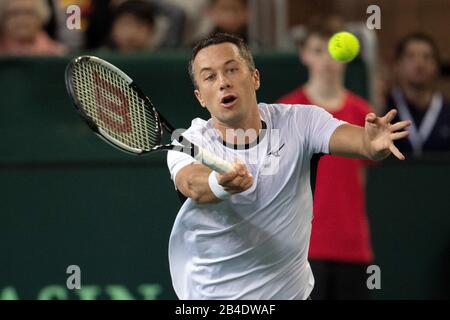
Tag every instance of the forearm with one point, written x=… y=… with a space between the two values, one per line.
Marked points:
x=349 y=141
x=192 y=181
x=352 y=142
x=374 y=141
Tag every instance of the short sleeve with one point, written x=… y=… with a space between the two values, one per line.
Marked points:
x=316 y=126
x=177 y=160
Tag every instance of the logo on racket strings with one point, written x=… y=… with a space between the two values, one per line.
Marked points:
x=115 y=116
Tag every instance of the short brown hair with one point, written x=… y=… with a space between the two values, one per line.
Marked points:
x=323 y=26
x=219 y=38
x=420 y=37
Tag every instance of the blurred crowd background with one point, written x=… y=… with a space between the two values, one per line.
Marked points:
x=40 y=27
x=408 y=64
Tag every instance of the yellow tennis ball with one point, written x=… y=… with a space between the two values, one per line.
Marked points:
x=343 y=46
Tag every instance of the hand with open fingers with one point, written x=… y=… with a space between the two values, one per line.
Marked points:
x=236 y=181
x=380 y=135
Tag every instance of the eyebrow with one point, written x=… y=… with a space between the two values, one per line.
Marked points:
x=209 y=69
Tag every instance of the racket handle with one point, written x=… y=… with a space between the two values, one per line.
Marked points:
x=214 y=162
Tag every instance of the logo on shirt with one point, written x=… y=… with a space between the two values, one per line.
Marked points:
x=276 y=153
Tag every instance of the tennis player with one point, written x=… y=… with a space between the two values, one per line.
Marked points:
x=245 y=234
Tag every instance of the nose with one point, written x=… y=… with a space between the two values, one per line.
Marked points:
x=224 y=82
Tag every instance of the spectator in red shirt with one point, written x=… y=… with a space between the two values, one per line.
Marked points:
x=340 y=248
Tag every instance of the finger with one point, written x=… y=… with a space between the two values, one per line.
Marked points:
x=396 y=152
x=400 y=125
x=243 y=170
x=226 y=177
x=234 y=189
x=237 y=165
x=235 y=183
x=239 y=162
x=248 y=185
x=240 y=167
x=244 y=186
x=371 y=117
x=239 y=182
x=390 y=115
x=399 y=135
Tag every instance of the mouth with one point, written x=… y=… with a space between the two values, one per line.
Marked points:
x=228 y=101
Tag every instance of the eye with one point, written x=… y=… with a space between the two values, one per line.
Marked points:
x=210 y=77
x=233 y=70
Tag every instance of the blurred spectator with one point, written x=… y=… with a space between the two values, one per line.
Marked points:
x=96 y=23
x=168 y=25
x=133 y=27
x=417 y=65
x=22 y=29
x=340 y=248
x=175 y=17
x=196 y=25
x=229 y=16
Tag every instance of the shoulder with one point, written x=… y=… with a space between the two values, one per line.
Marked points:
x=284 y=114
x=283 y=109
x=196 y=131
x=287 y=108
x=198 y=125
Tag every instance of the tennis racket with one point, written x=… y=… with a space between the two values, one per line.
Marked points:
x=118 y=112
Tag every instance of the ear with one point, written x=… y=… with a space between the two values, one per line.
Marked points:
x=256 y=79
x=199 y=98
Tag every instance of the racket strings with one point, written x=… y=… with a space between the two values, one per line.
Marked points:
x=115 y=107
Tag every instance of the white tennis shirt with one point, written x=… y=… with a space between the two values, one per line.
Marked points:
x=255 y=244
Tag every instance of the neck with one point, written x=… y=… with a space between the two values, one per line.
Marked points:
x=332 y=88
x=244 y=132
x=326 y=94
x=420 y=96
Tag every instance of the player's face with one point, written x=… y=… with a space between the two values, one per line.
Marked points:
x=225 y=84
x=315 y=56
x=417 y=66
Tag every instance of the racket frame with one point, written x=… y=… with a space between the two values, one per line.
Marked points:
x=160 y=120
x=186 y=146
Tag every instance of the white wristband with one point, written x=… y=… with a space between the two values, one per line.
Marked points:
x=216 y=188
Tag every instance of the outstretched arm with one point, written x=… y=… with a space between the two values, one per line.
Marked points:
x=375 y=141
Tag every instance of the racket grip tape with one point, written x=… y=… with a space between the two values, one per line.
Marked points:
x=214 y=162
